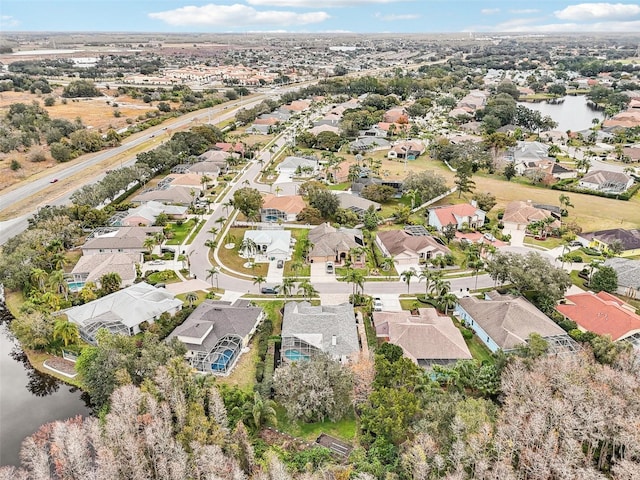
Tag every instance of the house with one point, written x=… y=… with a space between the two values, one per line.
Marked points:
x=518 y=215
x=374 y=131
x=216 y=155
x=395 y=115
x=209 y=168
x=504 y=322
x=628 y=272
x=526 y=151
x=177 y=195
x=227 y=147
x=121 y=240
x=549 y=168
x=91 y=267
x=601 y=313
x=123 y=311
x=409 y=249
x=406 y=150
x=369 y=143
x=627 y=240
x=146 y=214
x=308 y=330
x=339 y=173
x=463 y=215
x=324 y=128
x=296 y=165
x=332 y=244
x=284 y=208
x=216 y=333
x=356 y=203
x=359 y=183
x=426 y=339
x=606 y=181
x=269 y=245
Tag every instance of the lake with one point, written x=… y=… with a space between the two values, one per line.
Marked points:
x=29 y=399
x=573 y=114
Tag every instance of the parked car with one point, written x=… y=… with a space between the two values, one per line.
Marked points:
x=489 y=237
x=167 y=250
x=575 y=243
x=329 y=268
x=156 y=262
x=269 y=290
x=280 y=264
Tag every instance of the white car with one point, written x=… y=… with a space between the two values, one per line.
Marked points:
x=156 y=262
x=377 y=304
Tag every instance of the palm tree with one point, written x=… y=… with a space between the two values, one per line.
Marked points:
x=248 y=247
x=39 y=276
x=297 y=266
x=149 y=243
x=213 y=272
x=263 y=412
x=58 y=284
x=430 y=278
x=413 y=194
x=204 y=180
x=441 y=287
x=278 y=190
x=448 y=301
x=213 y=231
x=387 y=263
x=259 y=279
x=287 y=285
x=407 y=275
x=110 y=282
x=65 y=331
x=191 y=297
x=307 y=289
x=227 y=205
x=221 y=220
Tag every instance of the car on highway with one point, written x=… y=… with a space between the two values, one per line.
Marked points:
x=269 y=290
x=53 y=180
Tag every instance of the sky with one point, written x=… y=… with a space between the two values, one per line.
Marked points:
x=320 y=16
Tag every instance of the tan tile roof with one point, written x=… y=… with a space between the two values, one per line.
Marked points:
x=524 y=213
x=286 y=203
x=399 y=241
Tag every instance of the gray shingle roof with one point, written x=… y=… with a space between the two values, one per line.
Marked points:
x=628 y=271
x=305 y=321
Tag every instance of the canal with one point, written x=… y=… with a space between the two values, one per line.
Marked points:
x=29 y=399
x=574 y=113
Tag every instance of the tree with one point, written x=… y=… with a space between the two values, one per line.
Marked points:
x=314 y=390
x=110 y=282
x=510 y=171
x=429 y=184
x=259 y=280
x=191 y=298
x=287 y=285
x=485 y=200
x=66 y=331
x=378 y=193
x=81 y=88
x=605 y=278
x=263 y=412
x=407 y=275
x=248 y=201
x=211 y=273
x=325 y=201
x=565 y=202
x=307 y=289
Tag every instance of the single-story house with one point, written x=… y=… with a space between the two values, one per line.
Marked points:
x=209 y=168
x=628 y=240
x=284 y=208
x=374 y=131
x=408 y=249
x=91 y=267
x=216 y=333
x=550 y=168
x=369 y=143
x=216 y=155
x=628 y=272
x=269 y=245
x=123 y=311
x=146 y=214
x=191 y=180
x=606 y=181
x=426 y=339
x=332 y=244
x=504 y=322
x=178 y=195
x=395 y=115
x=359 y=183
x=518 y=215
x=324 y=128
x=228 y=147
x=295 y=165
x=339 y=173
x=409 y=150
x=463 y=215
x=308 y=330
x=601 y=313
x=356 y=203
x=122 y=240
x=526 y=151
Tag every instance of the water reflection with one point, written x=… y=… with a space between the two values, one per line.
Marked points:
x=39 y=384
x=572 y=112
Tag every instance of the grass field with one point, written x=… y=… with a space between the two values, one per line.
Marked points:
x=344 y=429
x=179 y=232
x=231 y=258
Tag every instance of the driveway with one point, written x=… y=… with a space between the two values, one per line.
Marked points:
x=390 y=302
x=319 y=273
x=517 y=236
x=275 y=274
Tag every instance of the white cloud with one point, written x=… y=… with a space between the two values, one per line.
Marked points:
x=394 y=17
x=522 y=25
x=489 y=11
x=598 y=11
x=524 y=11
x=230 y=16
x=7 y=21
x=314 y=3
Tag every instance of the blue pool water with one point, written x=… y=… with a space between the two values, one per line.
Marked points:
x=222 y=361
x=294 y=355
x=75 y=286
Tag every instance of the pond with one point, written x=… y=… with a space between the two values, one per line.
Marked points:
x=572 y=112
x=29 y=399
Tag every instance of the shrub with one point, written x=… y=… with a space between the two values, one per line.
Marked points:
x=49 y=102
x=37 y=156
x=15 y=165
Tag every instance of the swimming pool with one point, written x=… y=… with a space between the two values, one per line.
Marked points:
x=222 y=361
x=75 y=286
x=295 y=355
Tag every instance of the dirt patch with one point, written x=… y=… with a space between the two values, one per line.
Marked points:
x=61 y=365
x=283 y=440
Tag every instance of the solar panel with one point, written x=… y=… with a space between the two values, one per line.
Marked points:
x=417 y=230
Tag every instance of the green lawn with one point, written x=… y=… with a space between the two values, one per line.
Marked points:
x=179 y=233
x=344 y=429
x=243 y=375
x=272 y=309
x=340 y=186
x=196 y=231
x=549 y=243
x=231 y=259
x=299 y=234
x=201 y=297
x=164 y=276
x=478 y=350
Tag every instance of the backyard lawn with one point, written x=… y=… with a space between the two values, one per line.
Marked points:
x=299 y=234
x=344 y=429
x=243 y=375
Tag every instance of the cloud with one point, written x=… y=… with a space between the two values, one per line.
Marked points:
x=7 y=21
x=523 y=25
x=395 y=17
x=314 y=3
x=489 y=11
x=597 y=11
x=524 y=11
x=236 y=15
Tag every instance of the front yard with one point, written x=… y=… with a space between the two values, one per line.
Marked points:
x=230 y=257
x=177 y=233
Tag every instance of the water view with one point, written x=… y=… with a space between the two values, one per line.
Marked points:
x=29 y=399
x=574 y=113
